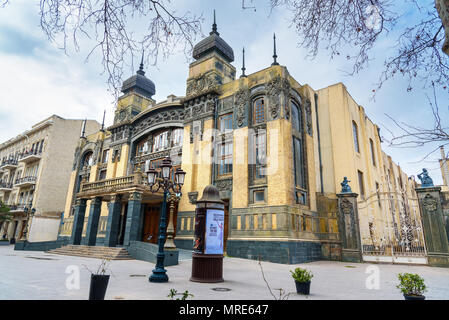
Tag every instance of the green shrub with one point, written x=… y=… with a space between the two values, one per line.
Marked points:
x=301 y=275
x=411 y=284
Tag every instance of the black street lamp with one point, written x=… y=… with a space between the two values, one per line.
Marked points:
x=165 y=183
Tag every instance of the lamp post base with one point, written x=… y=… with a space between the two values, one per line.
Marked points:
x=159 y=276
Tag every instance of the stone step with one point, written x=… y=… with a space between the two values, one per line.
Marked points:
x=93 y=252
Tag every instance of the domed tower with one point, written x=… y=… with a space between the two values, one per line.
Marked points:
x=137 y=96
x=212 y=65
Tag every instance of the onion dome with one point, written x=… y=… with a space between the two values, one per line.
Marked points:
x=213 y=43
x=139 y=83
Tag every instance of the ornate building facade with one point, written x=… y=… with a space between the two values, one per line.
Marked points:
x=276 y=149
x=35 y=169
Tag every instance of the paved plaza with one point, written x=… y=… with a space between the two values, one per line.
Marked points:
x=40 y=275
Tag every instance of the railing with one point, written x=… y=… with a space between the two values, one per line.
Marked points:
x=11 y=162
x=16 y=207
x=115 y=183
x=29 y=153
x=29 y=179
x=5 y=185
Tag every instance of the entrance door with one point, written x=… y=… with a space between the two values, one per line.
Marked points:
x=151 y=223
x=226 y=224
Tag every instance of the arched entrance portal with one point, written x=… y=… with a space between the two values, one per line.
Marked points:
x=151 y=220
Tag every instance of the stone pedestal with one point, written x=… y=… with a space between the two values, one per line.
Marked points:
x=94 y=219
x=112 y=228
x=348 y=227
x=78 y=221
x=434 y=230
x=133 y=218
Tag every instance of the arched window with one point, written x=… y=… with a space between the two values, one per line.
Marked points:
x=296 y=117
x=87 y=160
x=355 y=132
x=176 y=137
x=259 y=111
x=160 y=141
x=299 y=174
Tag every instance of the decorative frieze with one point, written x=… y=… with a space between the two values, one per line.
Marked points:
x=223 y=184
x=241 y=102
x=200 y=107
x=193 y=196
x=135 y=196
x=276 y=88
x=308 y=110
x=202 y=84
x=157 y=118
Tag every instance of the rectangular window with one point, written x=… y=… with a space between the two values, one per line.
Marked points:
x=225 y=152
x=161 y=141
x=176 y=137
x=261 y=155
x=259 y=111
x=102 y=175
x=356 y=136
x=372 y=151
x=298 y=163
x=361 y=185
x=105 y=156
x=259 y=196
x=225 y=123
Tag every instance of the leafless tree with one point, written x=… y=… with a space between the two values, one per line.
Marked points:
x=413 y=136
x=352 y=28
x=118 y=29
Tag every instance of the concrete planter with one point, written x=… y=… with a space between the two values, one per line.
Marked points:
x=98 y=286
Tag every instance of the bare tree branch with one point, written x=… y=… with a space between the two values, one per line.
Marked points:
x=113 y=29
x=360 y=25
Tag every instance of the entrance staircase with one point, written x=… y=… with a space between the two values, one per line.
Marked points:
x=93 y=252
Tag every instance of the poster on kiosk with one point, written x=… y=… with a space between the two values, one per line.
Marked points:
x=214 y=231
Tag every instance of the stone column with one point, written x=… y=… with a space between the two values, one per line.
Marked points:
x=169 y=243
x=435 y=236
x=78 y=221
x=3 y=229
x=348 y=227
x=133 y=218
x=94 y=219
x=11 y=229
x=112 y=228
x=18 y=234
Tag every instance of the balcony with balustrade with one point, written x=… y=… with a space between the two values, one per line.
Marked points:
x=25 y=181
x=9 y=164
x=108 y=187
x=5 y=186
x=30 y=156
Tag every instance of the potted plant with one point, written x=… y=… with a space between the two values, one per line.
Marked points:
x=99 y=281
x=302 y=279
x=412 y=286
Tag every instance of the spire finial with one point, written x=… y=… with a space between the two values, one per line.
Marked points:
x=102 y=123
x=214 y=26
x=275 y=63
x=243 y=68
x=140 y=71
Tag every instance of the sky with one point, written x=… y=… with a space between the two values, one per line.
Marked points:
x=38 y=79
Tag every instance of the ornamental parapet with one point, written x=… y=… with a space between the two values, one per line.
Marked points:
x=112 y=186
